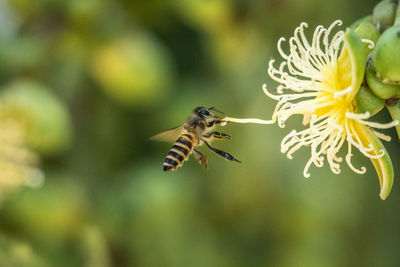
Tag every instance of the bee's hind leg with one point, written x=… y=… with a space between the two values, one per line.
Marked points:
x=200 y=157
x=221 y=153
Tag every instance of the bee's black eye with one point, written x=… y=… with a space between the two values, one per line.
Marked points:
x=203 y=112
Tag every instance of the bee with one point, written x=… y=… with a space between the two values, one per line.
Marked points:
x=196 y=131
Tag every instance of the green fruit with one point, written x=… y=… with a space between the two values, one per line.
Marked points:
x=366 y=101
x=386 y=58
x=379 y=88
x=383 y=14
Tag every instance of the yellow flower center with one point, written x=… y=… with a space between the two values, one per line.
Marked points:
x=320 y=80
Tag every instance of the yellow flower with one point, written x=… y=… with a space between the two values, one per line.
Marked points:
x=17 y=162
x=320 y=80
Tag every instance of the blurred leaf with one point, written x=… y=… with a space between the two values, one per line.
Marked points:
x=27 y=53
x=17 y=253
x=56 y=211
x=95 y=248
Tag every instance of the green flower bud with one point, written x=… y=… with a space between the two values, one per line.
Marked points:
x=355 y=24
x=383 y=14
x=367 y=30
x=386 y=58
x=367 y=101
x=379 y=88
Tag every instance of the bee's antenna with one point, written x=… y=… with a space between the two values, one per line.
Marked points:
x=213 y=108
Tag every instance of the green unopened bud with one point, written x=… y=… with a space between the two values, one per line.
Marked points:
x=379 y=88
x=367 y=30
x=393 y=105
x=366 y=101
x=386 y=58
x=355 y=24
x=384 y=14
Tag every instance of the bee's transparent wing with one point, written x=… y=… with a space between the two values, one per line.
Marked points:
x=168 y=136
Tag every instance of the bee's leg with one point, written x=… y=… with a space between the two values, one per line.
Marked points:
x=200 y=157
x=220 y=152
x=218 y=135
x=211 y=123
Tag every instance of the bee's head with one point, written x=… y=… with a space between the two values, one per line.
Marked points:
x=206 y=112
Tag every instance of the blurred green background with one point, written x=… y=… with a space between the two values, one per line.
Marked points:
x=94 y=79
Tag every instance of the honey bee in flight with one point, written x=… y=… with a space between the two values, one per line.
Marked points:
x=196 y=131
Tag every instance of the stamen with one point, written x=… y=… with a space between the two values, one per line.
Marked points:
x=357 y=116
x=370 y=43
x=350 y=164
x=249 y=120
x=343 y=92
x=282 y=39
x=382 y=136
x=379 y=125
x=275 y=97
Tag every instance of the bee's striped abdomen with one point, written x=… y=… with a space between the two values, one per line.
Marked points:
x=179 y=152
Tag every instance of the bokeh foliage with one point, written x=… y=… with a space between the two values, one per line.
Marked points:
x=100 y=77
